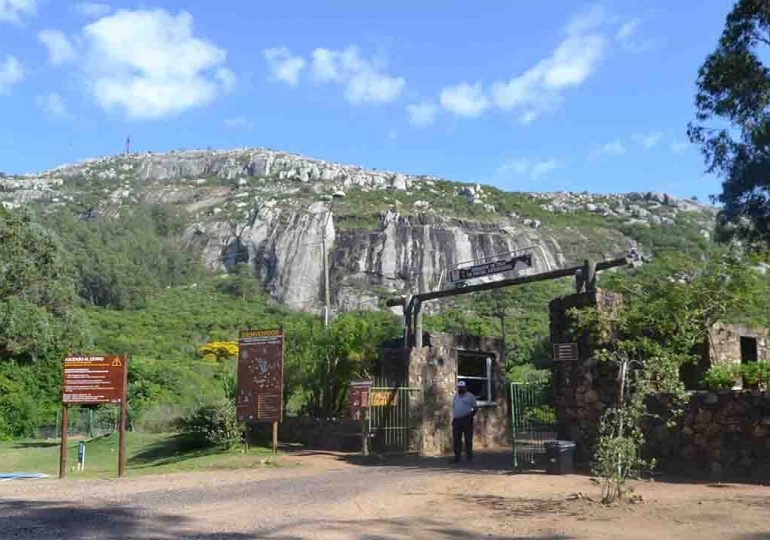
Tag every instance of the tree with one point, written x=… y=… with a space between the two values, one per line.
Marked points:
x=37 y=295
x=732 y=123
x=39 y=321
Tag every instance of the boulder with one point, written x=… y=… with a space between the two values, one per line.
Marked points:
x=399 y=182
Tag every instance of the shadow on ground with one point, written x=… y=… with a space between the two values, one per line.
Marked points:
x=484 y=462
x=35 y=444
x=167 y=451
x=51 y=519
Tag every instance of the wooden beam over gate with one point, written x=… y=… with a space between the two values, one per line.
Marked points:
x=585 y=281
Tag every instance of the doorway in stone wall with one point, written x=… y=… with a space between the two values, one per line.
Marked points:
x=748 y=349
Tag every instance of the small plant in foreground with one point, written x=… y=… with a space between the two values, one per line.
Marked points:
x=617 y=455
x=722 y=376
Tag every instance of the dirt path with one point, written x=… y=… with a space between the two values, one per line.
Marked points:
x=333 y=497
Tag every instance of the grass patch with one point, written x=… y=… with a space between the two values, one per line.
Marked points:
x=148 y=453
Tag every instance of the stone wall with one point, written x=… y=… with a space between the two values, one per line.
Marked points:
x=583 y=387
x=339 y=434
x=725 y=342
x=722 y=435
x=433 y=369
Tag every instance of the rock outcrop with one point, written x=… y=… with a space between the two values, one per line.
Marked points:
x=397 y=234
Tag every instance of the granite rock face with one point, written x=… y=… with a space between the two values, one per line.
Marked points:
x=263 y=207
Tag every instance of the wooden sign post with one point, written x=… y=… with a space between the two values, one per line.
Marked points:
x=93 y=380
x=259 y=395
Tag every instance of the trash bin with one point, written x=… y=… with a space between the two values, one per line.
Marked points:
x=560 y=456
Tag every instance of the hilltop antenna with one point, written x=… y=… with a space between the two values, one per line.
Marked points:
x=128 y=145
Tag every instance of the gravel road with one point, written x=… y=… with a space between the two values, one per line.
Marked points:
x=332 y=496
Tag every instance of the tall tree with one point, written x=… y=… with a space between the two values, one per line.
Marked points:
x=37 y=296
x=732 y=123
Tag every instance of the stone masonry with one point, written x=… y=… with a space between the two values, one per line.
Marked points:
x=433 y=369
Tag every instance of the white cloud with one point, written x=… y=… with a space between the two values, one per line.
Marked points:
x=612 y=148
x=650 y=140
x=93 y=10
x=11 y=72
x=53 y=104
x=149 y=64
x=60 y=48
x=236 y=122
x=392 y=135
x=363 y=79
x=532 y=169
x=464 y=99
x=284 y=66
x=539 y=89
x=679 y=146
x=13 y=10
x=628 y=37
x=628 y=29
x=422 y=114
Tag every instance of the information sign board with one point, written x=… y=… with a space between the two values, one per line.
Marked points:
x=259 y=395
x=94 y=379
x=358 y=398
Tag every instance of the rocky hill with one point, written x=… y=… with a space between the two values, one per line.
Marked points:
x=391 y=233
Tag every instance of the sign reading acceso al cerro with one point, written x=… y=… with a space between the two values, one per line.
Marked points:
x=517 y=263
x=94 y=379
x=260 y=376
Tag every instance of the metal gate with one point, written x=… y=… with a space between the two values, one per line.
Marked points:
x=533 y=421
x=393 y=419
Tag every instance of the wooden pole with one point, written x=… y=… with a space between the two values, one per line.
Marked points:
x=275 y=437
x=122 y=439
x=122 y=423
x=63 y=447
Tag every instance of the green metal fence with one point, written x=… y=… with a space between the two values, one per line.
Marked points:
x=533 y=421
x=393 y=419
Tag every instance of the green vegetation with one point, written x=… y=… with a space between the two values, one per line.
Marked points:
x=118 y=263
x=213 y=426
x=726 y=375
x=147 y=453
x=722 y=376
x=129 y=285
x=732 y=123
x=668 y=310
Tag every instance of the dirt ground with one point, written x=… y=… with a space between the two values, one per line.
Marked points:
x=338 y=496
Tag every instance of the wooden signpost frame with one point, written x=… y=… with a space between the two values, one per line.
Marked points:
x=121 y=422
x=279 y=333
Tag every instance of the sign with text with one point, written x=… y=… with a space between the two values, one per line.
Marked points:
x=514 y=264
x=259 y=395
x=358 y=398
x=383 y=398
x=565 y=352
x=94 y=379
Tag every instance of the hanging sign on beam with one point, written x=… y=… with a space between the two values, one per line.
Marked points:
x=514 y=264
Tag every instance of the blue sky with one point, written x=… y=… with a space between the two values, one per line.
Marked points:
x=547 y=95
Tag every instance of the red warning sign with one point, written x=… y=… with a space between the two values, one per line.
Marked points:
x=94 y=379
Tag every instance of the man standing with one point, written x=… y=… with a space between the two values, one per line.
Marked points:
x=463 y=411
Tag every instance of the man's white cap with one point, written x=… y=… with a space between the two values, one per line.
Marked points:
x=460 y=384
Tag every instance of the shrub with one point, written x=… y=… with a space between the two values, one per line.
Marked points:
x=617 y=457
x=219 y=350
x=722 y=376
x=213 y=426
x=756 y=374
